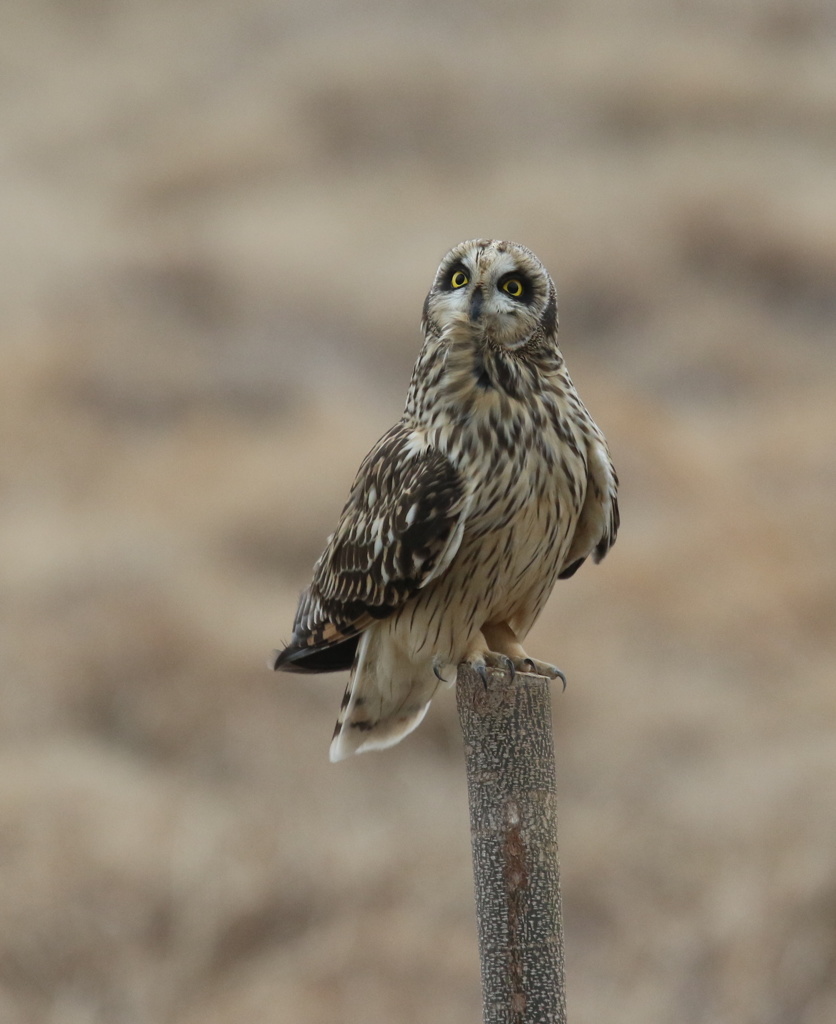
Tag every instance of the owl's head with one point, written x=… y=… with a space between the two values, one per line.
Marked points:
x=496 y=293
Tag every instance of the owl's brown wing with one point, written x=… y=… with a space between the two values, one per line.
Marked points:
x=400 y=528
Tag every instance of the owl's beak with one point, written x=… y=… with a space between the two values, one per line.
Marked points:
x=476 y=300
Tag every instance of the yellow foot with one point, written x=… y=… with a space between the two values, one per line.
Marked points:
x=482 y=661
x=493 y=659
x=541 y=668
x=508 y=653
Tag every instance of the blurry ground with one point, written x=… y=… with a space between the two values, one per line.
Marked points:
x=219 y=223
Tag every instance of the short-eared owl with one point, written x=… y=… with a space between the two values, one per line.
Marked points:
x=494 y=484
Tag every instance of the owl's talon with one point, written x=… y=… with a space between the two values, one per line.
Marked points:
x=438 y=674
x=543 y=668
x=493 y=660
x=478 y=666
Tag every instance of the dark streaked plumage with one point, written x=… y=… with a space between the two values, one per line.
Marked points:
x=495 y=483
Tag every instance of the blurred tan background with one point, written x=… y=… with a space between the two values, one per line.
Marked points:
x=219 y=221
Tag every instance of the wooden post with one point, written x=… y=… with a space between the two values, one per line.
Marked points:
x=509 y=753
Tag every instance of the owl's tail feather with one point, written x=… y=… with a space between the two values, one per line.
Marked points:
x=387 y=697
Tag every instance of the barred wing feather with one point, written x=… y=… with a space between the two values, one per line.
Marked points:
x=400 y=528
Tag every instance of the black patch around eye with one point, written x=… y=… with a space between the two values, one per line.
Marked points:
x=527 y=290
x=447 y=280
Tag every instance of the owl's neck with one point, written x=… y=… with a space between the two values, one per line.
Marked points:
x=462 y=379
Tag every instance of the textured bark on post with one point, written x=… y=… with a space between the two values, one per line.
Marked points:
x=509 y=753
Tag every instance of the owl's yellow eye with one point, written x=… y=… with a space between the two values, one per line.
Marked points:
x=459 y=279
x=514 y=287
